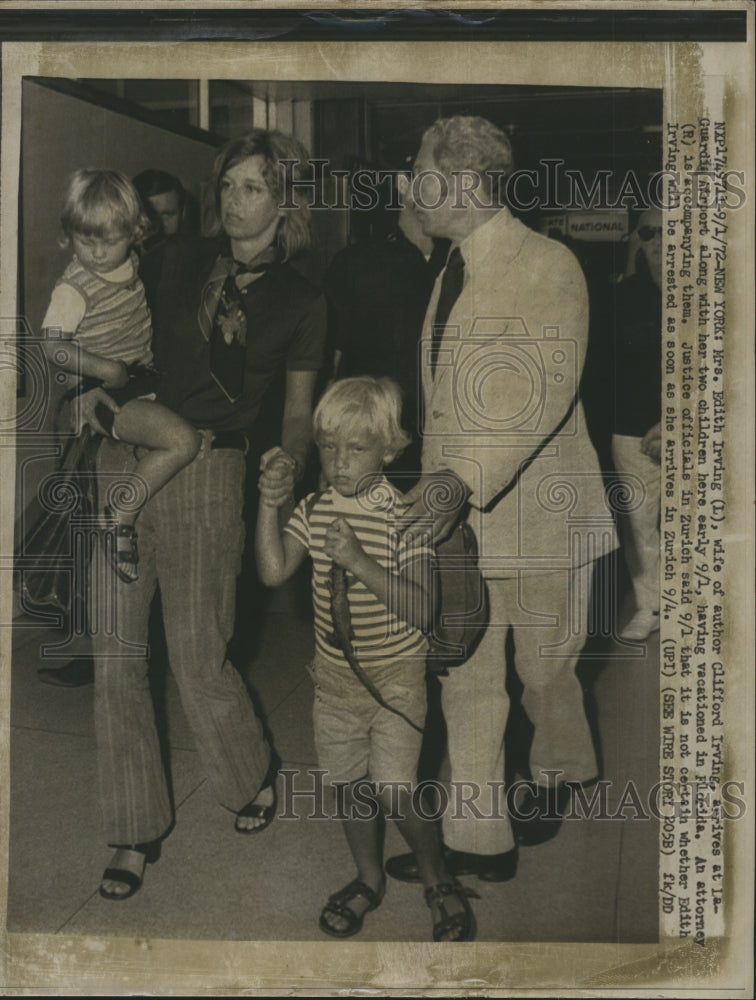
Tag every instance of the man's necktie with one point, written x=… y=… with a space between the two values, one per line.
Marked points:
x=438 y=256
x=228 y=341
x=451 y=286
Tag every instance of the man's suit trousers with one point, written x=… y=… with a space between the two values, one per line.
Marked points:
x=640 y=537
x=548 y=612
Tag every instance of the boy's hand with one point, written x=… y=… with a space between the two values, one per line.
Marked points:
x=341 y=544
x=276 y=484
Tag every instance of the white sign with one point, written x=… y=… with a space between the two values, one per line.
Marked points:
x=606 y=226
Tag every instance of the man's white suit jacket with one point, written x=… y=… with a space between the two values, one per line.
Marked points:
x=501 y=409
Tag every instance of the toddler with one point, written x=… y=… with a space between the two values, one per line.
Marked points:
x=372 y=601
x=97 y=326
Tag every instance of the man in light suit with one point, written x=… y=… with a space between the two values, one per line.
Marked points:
x=505 y=444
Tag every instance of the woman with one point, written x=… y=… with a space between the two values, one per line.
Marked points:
x=228 y=315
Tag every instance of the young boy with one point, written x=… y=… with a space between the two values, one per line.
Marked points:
x=369 y=665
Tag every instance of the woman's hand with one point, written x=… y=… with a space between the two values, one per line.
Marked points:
x=275 y=455
x=84 y=407
x=341 y=544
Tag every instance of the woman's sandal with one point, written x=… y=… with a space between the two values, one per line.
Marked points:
x=116 y=555
x=459 y=926
x=151 y=852
x=338 y=906
x=253 y=810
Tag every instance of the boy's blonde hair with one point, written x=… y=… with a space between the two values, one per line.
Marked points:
x=365 y=404
x=98 y=201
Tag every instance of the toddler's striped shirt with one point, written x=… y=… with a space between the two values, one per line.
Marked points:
x=107 y=314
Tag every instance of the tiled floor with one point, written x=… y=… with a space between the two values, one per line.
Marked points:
x=595 y=882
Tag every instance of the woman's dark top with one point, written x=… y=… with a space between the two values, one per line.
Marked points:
x=286 y=326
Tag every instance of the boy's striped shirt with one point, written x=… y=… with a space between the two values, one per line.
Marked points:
x=378 y=634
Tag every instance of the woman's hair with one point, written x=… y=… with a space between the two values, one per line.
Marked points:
x=293 y=235
x=363 y=404
x=99 y=201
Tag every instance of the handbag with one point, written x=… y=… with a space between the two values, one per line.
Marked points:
x=46 y=559
x=462 y=601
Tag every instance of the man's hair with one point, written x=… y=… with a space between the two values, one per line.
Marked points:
x=474 y=144
x=150 y=183
x=98 y=201
x=363 y=404
x=293 y=235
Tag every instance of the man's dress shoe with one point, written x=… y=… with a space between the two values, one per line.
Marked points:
x=488 y=867
x=540 y=815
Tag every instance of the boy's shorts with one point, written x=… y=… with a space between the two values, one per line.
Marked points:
x=355 y=736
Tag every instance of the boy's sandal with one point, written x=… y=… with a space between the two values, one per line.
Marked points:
x=338 y=906
x=118 y=555
x=459 y=926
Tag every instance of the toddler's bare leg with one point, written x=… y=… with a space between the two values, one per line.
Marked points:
x=172 y=443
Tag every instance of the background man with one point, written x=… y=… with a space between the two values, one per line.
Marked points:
x=164 y=197
x=378 y=291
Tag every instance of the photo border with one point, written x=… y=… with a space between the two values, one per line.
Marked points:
x=50 y=44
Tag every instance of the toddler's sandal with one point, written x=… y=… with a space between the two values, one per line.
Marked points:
x=119 y=555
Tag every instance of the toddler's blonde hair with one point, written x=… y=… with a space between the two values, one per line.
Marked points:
x=100 y=201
